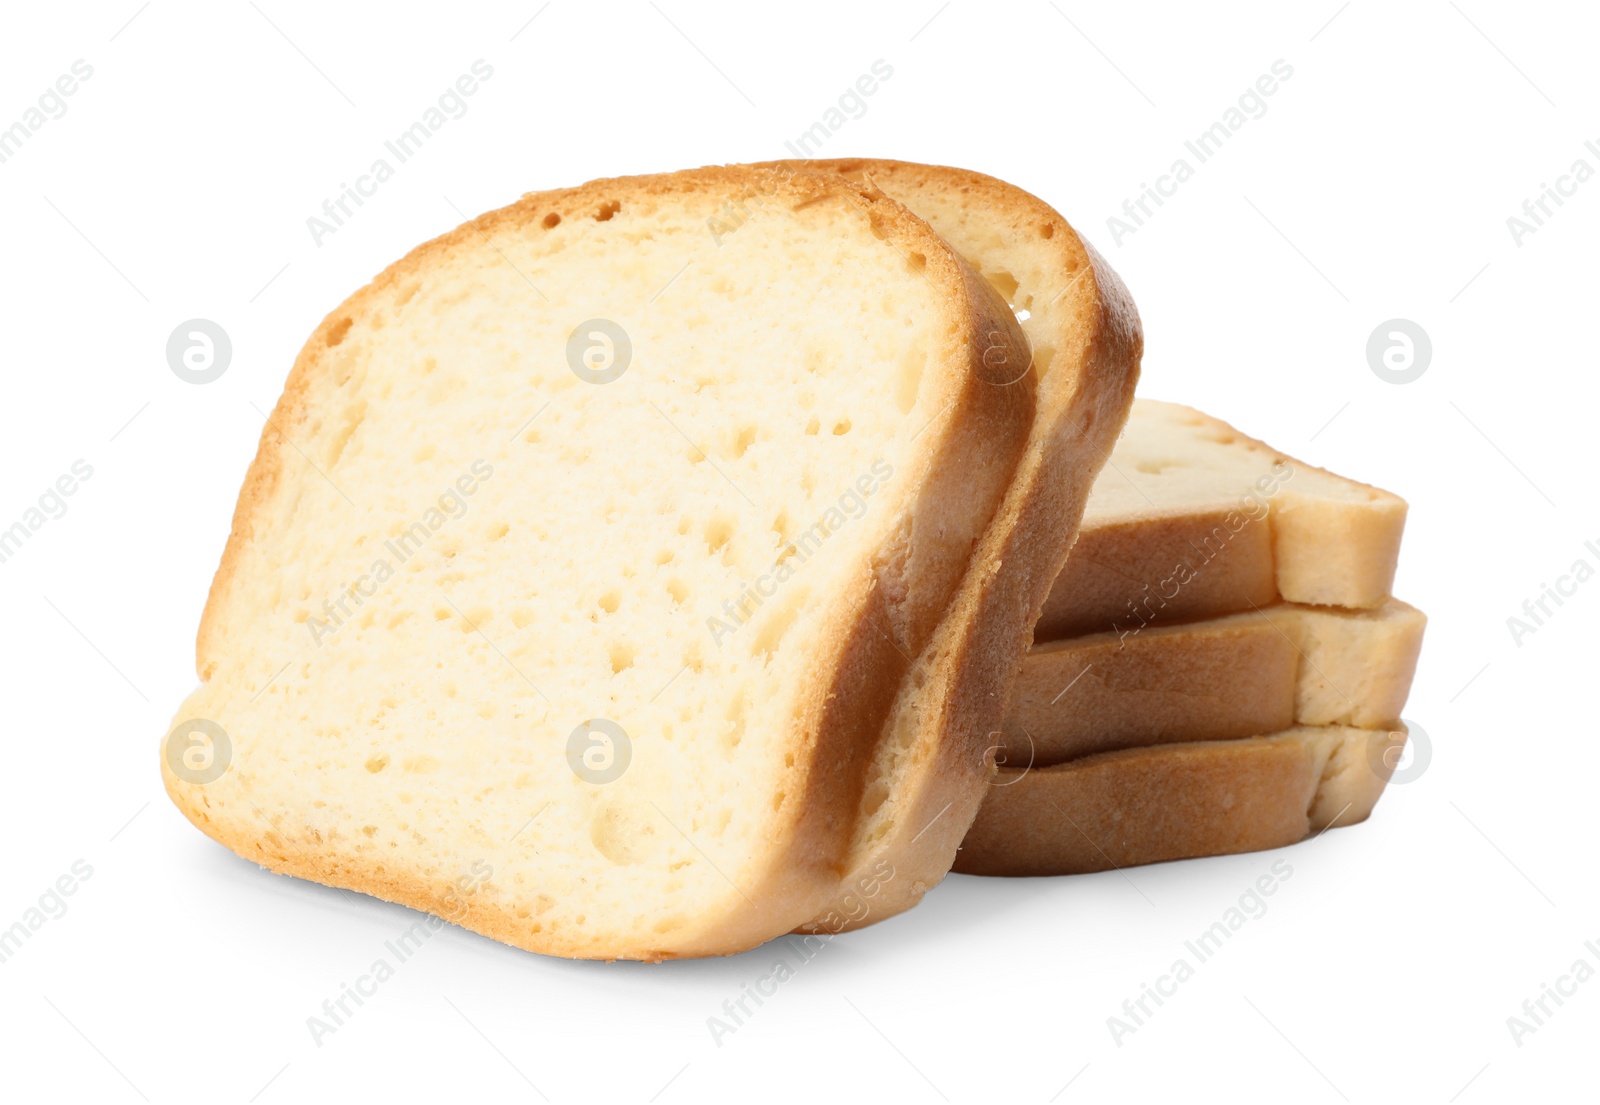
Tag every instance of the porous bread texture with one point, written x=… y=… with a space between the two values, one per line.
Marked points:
x=451 y=554
x=930 y=771
x=1191 y=519
x=1177 y=801
x=1234 y=676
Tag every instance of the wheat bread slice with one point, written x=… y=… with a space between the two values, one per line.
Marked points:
x=1191 y=519
x=1215 y=679
x=1179 y=801
x=932 y=767
x=583 y=555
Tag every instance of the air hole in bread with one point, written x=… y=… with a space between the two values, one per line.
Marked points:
x=621 y=657
x=610 y=601
x=734 y=733
x=337 y=331
x=1004 y=283
x=1043 y=356
x=778 y=623
x=621 y=834
x=916 y=262
x=678 y=589
x=1156 y=467
x=377 y=763
x=607 y=210
x=813 y=425
x=876 y=794
x=551 y=221
x=841 y=427
x=909 y=380
x=1048 y=230
x=718 y=532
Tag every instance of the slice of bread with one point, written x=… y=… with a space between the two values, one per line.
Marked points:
x=584 y=554
x=1177 y=801
x=931 y=770
x=1221 y=678
x=1191 y=519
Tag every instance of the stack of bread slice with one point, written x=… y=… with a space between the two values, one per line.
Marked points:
x=645 y=569
x=1219 y=669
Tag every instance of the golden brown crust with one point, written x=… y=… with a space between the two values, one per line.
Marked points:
x=973 y=445
x=1114 y=576
x=963 y=679
x=1201 y=681
x=1217 y=679
x=1179 y=801
x=1112 y=565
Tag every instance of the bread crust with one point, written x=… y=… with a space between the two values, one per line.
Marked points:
x=1152 y=755
x=1179 y=801
x=1323 y=551
x=1218 y=679
x=972 y=446
x=940 y=737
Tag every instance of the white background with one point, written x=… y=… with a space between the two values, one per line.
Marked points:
x=1376 y=186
